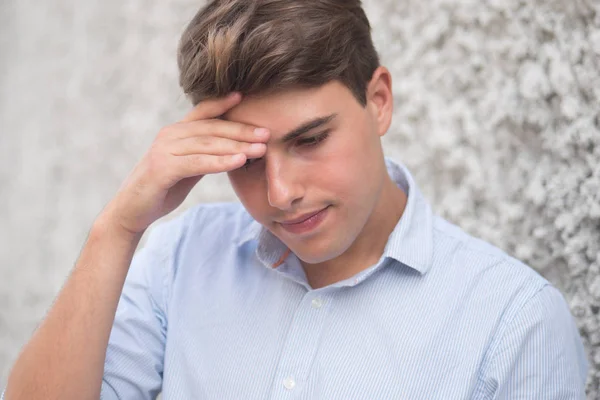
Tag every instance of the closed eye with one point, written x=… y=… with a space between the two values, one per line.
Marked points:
x=306 y=142
x=313 y=140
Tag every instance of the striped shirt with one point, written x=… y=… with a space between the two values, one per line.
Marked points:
x=209 y=311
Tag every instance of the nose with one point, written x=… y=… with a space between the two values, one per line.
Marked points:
x=284 y=189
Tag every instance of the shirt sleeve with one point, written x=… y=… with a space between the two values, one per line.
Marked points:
x=540 y=354
x=135 y=354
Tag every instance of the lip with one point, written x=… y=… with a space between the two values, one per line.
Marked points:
x=301 y=218
x=306 y=222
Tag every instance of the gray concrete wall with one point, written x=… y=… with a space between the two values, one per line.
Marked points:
x=497 y=114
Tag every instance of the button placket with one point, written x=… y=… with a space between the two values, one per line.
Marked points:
x=289 y=383
x=317 y=303
x=301 y=345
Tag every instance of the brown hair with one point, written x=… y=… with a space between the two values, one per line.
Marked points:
x=260 y=46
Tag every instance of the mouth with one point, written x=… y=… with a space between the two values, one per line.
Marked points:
x=306 y=222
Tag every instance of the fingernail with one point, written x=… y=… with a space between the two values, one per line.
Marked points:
x=261 y=132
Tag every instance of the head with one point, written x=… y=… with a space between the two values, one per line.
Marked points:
x=304 y=66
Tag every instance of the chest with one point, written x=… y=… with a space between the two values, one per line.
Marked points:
x=280 y=341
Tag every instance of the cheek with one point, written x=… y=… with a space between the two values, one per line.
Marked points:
x=249 y=192
x=341 y=174
x=351 y=158
x=351 y=170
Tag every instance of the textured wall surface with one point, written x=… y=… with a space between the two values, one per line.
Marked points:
x=497 y=114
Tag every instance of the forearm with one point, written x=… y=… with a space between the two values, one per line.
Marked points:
x=65 y=356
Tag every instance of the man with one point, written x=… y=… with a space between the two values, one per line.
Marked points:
x=332 y=279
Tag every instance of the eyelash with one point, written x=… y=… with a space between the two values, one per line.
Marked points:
x=308 y=142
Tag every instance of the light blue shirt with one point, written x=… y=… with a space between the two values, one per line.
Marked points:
x=442 y=315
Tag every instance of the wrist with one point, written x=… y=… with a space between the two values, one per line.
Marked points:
x=107 y=225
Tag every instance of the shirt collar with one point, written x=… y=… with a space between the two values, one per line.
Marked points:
x=410 y=243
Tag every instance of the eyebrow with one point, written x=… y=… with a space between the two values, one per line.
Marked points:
x=307 y=127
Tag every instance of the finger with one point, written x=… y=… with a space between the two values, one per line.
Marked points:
x=202 y=164
x=217 y=128
x=216 y=146
x=213 y=108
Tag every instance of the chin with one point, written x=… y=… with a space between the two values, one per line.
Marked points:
x=313 y=258
x=314 y=255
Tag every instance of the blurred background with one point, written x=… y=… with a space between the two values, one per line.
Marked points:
x=497 y=114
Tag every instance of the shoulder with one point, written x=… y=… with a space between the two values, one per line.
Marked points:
x=478 y=256
x=532 y=322
x=537 y=351
x=488 y=274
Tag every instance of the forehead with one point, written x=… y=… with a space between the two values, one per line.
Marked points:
x=283 y=111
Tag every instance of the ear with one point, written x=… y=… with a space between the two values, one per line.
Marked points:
x=380 y=100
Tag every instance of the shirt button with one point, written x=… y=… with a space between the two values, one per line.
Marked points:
x=289 y=383
x=317 y=302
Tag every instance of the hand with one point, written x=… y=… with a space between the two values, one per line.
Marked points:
x=179 y=157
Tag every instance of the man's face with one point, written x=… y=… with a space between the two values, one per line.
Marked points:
x=335 y=165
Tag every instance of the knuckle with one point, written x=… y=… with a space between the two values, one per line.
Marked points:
x=190 y=161
x=240 y=147
x=206 y=141
x=244 y=132
x=208 y=128
x=199 y=162
x=223 y=161
x=210 y=125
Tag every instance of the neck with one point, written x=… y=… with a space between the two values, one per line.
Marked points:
x=368 y=246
